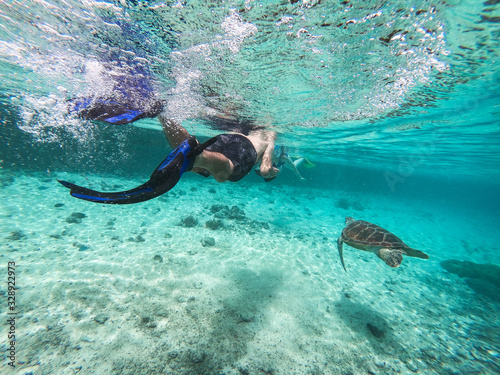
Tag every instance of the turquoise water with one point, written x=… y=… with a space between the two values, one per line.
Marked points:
x=394 y=103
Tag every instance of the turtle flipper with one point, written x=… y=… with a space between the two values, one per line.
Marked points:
x=415 y=253
x=340 y=246
x=391 y=257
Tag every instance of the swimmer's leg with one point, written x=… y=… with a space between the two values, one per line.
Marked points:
x=164 y=178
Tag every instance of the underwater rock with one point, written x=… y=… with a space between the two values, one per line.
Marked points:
x=194 y=189
x=16 y=235
x=343 y=203
x=236 y=213
x=83 y=247
x=57 y=205
x=346 y=204
x=75 y=218
x=158 y=258
x=6 y=180
x=80 y=246
x=101 y=318
x=214 y=224
x=224 y=212
x=137 y=238
x=181 y=299
x=196 y=356
x=148 y=322
x=377 y=332
x=189 y=222
x=466 y=269
x=247 y=317
x=212 y=191
x=208 y=241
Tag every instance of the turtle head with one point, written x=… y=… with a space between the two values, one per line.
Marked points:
x=349 y=220
x=391 y=257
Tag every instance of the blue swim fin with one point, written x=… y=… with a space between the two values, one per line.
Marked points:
x=163 y=178
x=113 y=112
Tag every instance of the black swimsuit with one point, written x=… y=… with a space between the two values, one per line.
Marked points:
x=239 y=150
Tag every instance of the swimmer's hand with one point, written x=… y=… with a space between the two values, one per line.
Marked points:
x=269 y=172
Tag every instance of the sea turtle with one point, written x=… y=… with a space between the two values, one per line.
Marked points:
x=370 y=237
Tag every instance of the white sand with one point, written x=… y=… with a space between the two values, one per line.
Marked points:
x=93 y=299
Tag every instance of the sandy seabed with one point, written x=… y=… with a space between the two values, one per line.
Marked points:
x=188 y=284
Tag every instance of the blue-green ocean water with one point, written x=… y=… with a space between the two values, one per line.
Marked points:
x=395 y=103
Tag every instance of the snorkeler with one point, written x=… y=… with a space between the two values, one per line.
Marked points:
x=281 y=158
x=226 y=157
x=229 y=157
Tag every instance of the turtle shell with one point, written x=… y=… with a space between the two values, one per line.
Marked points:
x=363 y=233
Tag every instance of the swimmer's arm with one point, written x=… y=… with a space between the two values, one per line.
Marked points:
x=217 y=164
x=174 y=132
x=266 y=165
